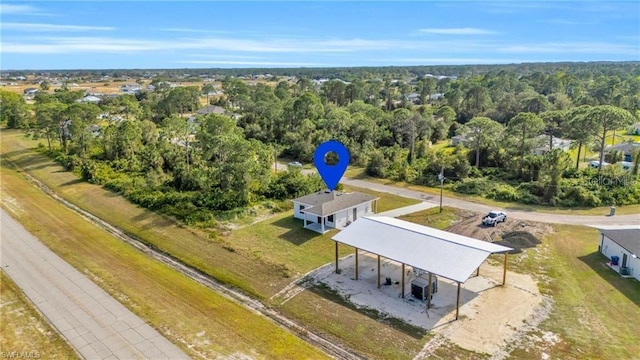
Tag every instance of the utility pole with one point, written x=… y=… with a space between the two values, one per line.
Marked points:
x=441 y=178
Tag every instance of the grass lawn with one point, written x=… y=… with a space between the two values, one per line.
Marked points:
x=201 y=322
x=434 y=218
x=595 y=311
x=24 y=330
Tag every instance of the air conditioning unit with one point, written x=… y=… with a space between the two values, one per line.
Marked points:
x=420 y=288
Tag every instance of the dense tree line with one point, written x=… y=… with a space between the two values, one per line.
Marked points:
x=152 y=151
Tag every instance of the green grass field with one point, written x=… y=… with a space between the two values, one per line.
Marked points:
x=23 y=330
x=197 y=319
x=594 y=313
x=434 y=218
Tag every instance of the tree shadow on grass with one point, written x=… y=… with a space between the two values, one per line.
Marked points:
x=326 y=292
x=295 y=232
x=628 y=287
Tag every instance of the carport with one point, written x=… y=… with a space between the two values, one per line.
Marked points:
x=438 y=252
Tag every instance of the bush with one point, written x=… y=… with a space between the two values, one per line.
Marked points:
x=505 y=193
x=473 y=186
x=377 y=164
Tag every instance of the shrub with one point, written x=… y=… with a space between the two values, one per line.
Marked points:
x=472 y=186
x=505 y=193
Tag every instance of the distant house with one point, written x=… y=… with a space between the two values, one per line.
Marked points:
x=622 y=247
x=634 y=129
x=627 y=149
x=556 y=143
x=211 y=109
x=325 y=210
x=130 y=88
x=90 y=99
x=30 y=91
x=458 y=139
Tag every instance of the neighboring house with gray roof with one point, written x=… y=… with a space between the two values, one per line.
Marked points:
x=326 y=210
x=622 y=247
x=627 y=148
x=211 y=109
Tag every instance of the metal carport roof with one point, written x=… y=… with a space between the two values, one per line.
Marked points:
x=439 y=252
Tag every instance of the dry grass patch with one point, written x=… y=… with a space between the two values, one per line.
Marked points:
x=201 y=322
x=23 y=329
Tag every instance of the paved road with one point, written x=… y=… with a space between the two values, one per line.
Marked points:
x=589 y=220
x=592 y=220
x=93 y=322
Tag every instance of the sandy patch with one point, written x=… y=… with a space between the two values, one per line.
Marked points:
x=490 y=315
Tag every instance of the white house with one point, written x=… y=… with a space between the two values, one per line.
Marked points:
x=622 y=247
x=556 y=143
x=90 y=99
x=326 y=210
x=458 y=139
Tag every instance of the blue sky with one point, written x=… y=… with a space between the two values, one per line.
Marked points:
x=212 y=34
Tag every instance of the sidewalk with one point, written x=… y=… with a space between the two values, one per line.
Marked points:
x=92 y=321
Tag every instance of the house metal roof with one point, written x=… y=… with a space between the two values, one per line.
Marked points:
x=440 y=252
x=627 y=238
x=325 y=203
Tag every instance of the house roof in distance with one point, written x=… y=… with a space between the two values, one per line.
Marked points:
x=211 y=109
x=325 y=203
x=627 y=238
x=446 y=254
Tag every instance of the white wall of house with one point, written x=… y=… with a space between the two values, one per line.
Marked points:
x=346 y=217
x=296 y=210
x=609 y=248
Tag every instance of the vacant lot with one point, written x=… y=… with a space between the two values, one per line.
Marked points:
x=23 y=330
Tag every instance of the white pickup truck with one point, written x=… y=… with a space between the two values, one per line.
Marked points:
x=494 y=217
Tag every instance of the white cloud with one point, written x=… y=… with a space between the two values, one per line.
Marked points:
x=110 y=44
x=6 y=9
x=253 y=63
x=457 y=31
x=449 y=61
x=40 y=27
x=574 y=47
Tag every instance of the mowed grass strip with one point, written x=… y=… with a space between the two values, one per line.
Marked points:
x=201 y=322
x=595 y=311
x=23 y=329
x=260 y=259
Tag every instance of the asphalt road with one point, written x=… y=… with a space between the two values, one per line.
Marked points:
x=589 y=220
x=92 y=321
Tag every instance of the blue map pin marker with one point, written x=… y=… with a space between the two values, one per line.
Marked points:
x=331 y=174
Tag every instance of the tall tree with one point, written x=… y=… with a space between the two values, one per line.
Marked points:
x=13 y=110
x=605 y=118
x=555 y=162
x=482 y=132
x=524 y=127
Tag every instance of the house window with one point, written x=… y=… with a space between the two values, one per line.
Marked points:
x=319 y=220
x=301 y=207
x=330 y=218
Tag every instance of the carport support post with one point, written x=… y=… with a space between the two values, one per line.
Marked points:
x=378 y=271
x=356 y=263
x=429 y=292
x=337 y=257
x=458 y=301
x=403 y=280
x=478 y=271
x=504 y=271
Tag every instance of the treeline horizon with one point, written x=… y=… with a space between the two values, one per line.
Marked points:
x=360 y=72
